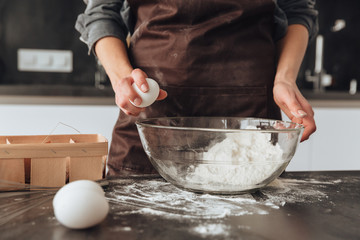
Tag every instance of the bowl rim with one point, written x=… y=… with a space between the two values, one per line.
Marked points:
x=142 y=123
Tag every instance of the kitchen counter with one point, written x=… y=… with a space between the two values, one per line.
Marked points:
x=330 y=95
x=56 y=90
x=56 y=95
x=333 y=99
x=104 y=95
x=298 y=205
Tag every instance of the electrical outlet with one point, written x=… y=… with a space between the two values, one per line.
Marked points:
x=41 y=60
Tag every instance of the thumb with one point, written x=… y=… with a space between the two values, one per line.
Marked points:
x=296 y=110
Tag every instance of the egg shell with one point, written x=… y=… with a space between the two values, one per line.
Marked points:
x=81 y=209
x=150 y=96
x=76 y=186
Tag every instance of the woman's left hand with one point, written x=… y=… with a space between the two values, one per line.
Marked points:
x=288 y=97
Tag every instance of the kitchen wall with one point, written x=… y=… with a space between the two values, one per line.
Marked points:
x=339 y=24
x=43 y=24
x=46 y=24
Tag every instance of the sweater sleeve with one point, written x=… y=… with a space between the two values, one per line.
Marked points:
x=301 y=12
x=101 y=18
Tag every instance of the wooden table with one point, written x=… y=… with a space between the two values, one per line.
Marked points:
x=299 y=205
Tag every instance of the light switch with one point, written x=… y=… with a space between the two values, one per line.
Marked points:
x=41 y=60
x=60 y=61
x=44 y=60
x=29 y=60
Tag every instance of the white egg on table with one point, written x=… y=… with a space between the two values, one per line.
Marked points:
x=80 y=204
x=150 y=96
x=77 y=186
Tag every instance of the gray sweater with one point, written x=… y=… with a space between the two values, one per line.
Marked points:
x=114 y=18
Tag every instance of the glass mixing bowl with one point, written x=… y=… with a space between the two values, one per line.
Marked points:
x=221 y=155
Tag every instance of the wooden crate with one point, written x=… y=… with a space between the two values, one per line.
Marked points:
x=54 y=160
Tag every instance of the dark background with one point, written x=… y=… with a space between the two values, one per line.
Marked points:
x=43 y=24
x=49 y=24
x=341 y=49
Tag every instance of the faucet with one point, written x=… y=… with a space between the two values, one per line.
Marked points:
x=320 y=79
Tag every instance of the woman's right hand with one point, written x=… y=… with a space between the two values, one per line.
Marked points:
x=112 y=54
x=124 y=92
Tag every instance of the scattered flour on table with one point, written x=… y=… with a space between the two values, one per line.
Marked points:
x=157 y=197
x=160 y=198
x=240 y=160
x=211 y=229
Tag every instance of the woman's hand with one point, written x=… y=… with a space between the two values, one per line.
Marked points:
x=288 y=97
x=291 y=50
x=124 y=93
x=112 y=54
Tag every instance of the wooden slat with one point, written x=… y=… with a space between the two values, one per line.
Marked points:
x=12 y=170
x=46 y=158
x=60 y=146
x=90 y=168
x=53 y=150
x=25 y=139
x=48 y=172
x=37 y=139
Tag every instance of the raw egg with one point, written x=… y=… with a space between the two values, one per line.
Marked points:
x=150 y=96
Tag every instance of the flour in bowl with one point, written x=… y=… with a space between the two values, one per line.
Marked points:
x=239 y=162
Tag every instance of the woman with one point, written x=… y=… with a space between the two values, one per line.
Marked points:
x=210 y=58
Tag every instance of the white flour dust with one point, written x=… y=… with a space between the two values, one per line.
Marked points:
x=239 y=162
x=157 y=197
x=212 y=229
x=160 y=198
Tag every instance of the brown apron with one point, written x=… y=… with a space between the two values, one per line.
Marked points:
x=213 y=57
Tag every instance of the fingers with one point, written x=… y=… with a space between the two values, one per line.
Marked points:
x=296 y=107
x=306 y=119
x=128 y=108
x=308 y=122
x=162 y=95
x=283 y=106
x=285 y=98
x=139 y=78
x=125 y=95
x=305 y=104
x=310 y=127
